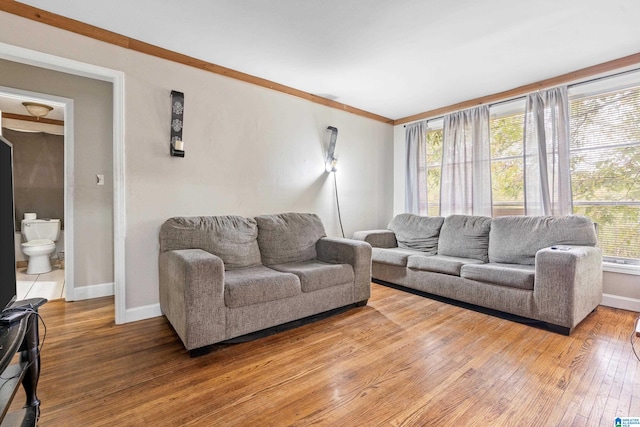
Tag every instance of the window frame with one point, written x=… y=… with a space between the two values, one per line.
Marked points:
x=605 y=85
x=589 y=88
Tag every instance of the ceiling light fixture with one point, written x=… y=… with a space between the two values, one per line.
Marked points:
x=37 y=110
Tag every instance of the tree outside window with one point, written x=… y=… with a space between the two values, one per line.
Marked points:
x=605 y=164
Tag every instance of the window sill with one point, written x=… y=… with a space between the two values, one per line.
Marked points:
x=612 y=267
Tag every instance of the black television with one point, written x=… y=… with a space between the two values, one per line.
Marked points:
x=7 y=225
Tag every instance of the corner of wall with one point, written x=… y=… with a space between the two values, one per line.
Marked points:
x=399 y=171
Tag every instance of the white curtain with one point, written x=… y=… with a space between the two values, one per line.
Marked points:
x=546 y=150
x=416 y=178
x=466 y=163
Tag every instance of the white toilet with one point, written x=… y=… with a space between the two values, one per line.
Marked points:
x=39 y=237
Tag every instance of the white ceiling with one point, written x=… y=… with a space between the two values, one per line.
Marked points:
x=392 y=58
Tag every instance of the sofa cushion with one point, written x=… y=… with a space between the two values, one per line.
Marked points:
x=417 y=232
x=439 y=263
x=516 y=239
x=316 y=275
x=254 y=285
x=232 y=238
x=393 y=256
x=511 y=275
x=465 y=236
x=288 y=237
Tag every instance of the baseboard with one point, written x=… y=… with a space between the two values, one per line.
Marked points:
x=93 y=291
x=141 y=313
x=625 y=303
x=107 y=289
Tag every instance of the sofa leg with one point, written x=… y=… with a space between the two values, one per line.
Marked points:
x=559 y=329
x=200 y=351
x=362 y=303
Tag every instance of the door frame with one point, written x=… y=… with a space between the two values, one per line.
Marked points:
x=69 y=66
x=67 y=105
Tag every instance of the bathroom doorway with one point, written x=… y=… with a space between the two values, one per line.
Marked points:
x=43 y=145
x=110 y=279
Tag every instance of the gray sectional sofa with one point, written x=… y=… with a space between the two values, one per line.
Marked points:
x=543 y=268
x=222 y=277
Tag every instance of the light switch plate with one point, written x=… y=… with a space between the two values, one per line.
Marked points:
x=100 y=179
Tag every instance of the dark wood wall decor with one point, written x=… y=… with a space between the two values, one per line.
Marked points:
x=176 y=146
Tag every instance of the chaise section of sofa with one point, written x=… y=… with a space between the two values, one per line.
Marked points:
x=543 y=268
x=222 y=277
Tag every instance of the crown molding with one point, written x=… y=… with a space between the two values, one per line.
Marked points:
x=572 y=77
x=87 y=30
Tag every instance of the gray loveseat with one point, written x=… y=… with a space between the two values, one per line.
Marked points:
x=222 y=277
x=542 y=268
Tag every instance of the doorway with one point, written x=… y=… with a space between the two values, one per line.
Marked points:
x=116 y=79
x=38 y=140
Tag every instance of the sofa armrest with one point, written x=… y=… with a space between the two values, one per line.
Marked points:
x=568 y=284
x=377 y=238
x=353 y=252
x=192 y=295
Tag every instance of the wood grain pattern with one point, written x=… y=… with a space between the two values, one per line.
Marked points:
x=26 y=118
x=403 y=360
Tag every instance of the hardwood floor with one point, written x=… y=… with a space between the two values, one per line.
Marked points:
x=401 y=360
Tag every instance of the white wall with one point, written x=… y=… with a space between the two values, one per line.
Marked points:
x=621 y=290
x=399 y=169
x=249 y=150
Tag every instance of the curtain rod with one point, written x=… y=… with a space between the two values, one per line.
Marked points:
x=595 y=79
x=608 y=76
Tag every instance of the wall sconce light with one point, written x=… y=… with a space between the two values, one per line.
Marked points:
x=37 y=110
x=176 y=145
x=331 y=162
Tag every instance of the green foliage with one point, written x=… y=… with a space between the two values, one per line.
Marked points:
x=605 y=167
x=507 y=174
x=434 y=170
x=506 y=136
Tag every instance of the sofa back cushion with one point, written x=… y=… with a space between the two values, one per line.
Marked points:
x=417 y=232
x=516 y=239
x=465 y=236
x=232 y=238
x=288 y=237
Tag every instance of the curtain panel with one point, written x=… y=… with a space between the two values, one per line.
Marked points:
x=546 y=153
x=416 y=167
x=466 y=163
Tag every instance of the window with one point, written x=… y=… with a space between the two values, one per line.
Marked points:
x=506 y=129
x=605 y=163
x=434 y=168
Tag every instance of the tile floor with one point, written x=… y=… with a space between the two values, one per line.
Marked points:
x=46 y=285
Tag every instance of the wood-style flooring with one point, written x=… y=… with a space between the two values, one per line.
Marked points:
x=402 y=360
